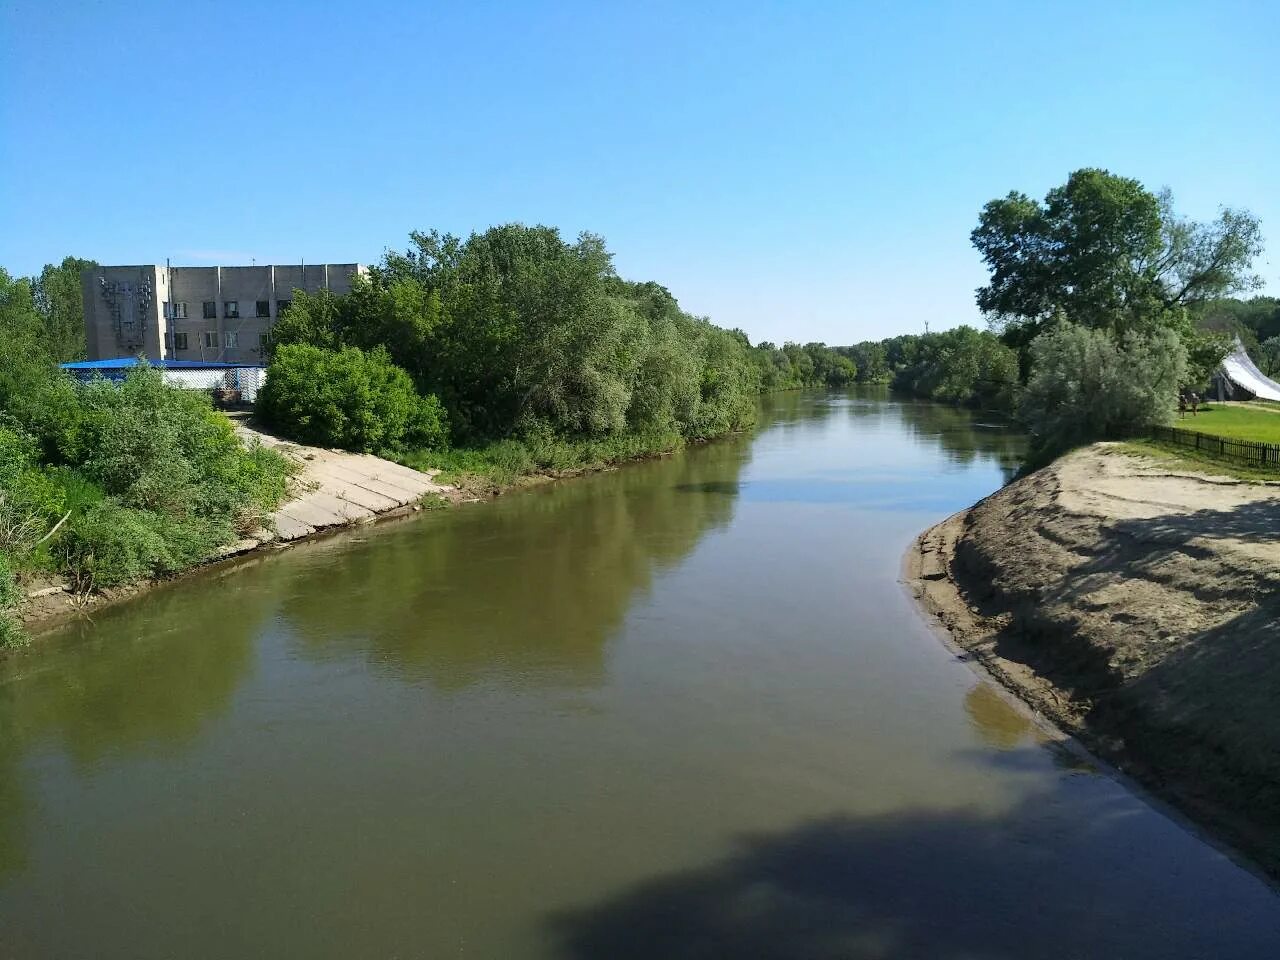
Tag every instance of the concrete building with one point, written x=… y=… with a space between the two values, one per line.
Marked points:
x=221 y=314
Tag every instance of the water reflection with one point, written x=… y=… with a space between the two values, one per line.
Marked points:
x=999 y=723
x=130 y=684
x=528 y=588
x=963 y=435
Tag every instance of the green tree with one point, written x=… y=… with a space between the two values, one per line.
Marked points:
x=1089 y=384
x=59 y=301
x=1105 y=252
x=348 y=398
x=1269 y=356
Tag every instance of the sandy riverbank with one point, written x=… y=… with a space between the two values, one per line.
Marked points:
x=1139 y=609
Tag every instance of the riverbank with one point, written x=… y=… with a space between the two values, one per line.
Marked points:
x=334 y=490
x=330 y=490
x=1137 y=607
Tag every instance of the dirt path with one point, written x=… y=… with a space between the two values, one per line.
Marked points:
x=1139 y=608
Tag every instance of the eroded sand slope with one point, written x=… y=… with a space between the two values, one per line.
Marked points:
x=1140 y=608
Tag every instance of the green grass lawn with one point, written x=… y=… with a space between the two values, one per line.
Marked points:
x=1240 y=421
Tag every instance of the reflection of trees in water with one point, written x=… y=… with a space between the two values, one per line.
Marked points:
x=527 y=588
x=964 y=435
x=144 y=679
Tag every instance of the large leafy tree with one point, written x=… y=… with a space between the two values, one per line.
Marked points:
x=1106 y=253
x=59 y=301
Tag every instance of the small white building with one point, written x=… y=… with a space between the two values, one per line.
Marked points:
x=242 y=380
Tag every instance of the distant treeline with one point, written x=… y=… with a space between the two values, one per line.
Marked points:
x=961 y=366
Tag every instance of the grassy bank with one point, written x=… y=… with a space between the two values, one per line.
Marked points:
x=1238 y=421
x=104 y=485
x=506 y=463
x=1172 y=456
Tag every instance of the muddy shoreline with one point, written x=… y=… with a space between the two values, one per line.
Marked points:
x=1135 y=610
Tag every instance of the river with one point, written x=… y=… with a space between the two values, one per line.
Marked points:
x=681 y=709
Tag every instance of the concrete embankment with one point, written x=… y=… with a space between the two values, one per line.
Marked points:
x=1139 y=609
x=332 y=489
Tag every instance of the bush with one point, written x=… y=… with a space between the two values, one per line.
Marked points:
x=350 y=399
x=10 y=633
x=150 y=480
x=110 y=544
x=1085 y=385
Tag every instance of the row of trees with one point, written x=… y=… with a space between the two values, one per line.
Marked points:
x=792 y=366
x=1103 y=304
x=517 y=331
x=961 y=366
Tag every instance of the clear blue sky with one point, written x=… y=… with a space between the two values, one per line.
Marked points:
x=801 y=170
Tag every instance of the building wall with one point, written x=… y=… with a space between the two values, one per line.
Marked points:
x=122 y=307
x=159 y=296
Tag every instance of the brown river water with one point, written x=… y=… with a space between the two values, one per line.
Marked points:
x=684 y=709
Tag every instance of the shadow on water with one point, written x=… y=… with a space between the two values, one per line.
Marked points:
x=947 y=885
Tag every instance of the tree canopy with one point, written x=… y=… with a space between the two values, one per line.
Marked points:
x=1105 y=252
x=516 y=328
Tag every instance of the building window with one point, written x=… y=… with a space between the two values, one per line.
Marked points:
x=231 y=309
x=179 y=341
x=264 y=308
x=210 y=310
x=230 y=339
x=180 y=310
x=211 y=339
x=282 y=306
x=263 y=340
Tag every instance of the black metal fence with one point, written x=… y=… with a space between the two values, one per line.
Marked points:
x=1265 y=455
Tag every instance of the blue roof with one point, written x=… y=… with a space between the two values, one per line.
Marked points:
x=124 y=363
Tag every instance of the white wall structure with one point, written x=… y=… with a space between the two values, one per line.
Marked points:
x=1243 y=372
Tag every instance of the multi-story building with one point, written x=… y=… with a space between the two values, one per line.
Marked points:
x=221 y=314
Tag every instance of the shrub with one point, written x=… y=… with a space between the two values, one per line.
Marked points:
x=111 y=544
x=1086 y=385
x=10 y=632
x=350 y=399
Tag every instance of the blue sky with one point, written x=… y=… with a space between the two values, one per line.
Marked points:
x=802 y=170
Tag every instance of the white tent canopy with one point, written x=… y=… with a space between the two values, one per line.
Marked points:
x=1241 y=371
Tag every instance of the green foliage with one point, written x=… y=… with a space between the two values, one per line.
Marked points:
x=793 y=366
x=110 y=544
x=963 y=366
x=871 y=360
x=1254 y=320
x=1105 y=252
x=1205 y=350
x=1088 y=385
x=10 y=632
x=26 y=362
x=348 y=398
x=515 y=327
x=540 y=451
x=60 y=303
x=1267 y=356
x=111 y=482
